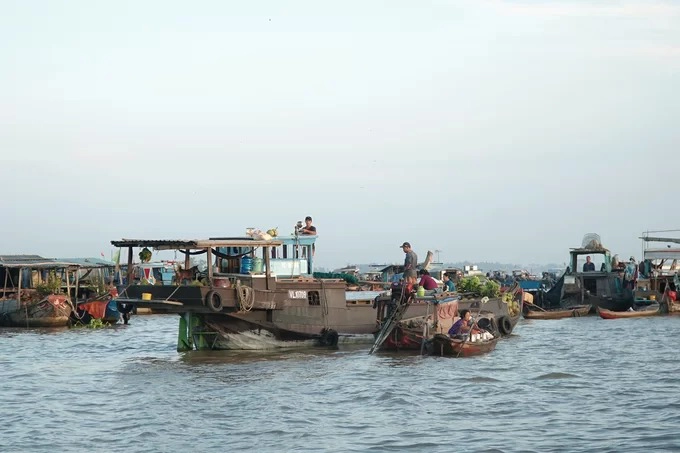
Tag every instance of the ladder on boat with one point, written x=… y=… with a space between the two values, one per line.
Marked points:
x=390 y=323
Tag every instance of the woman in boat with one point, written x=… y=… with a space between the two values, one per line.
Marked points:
x=426 y=281
x=463 y=325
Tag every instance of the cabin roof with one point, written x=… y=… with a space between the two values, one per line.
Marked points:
x=177 y=244
x=579 y=251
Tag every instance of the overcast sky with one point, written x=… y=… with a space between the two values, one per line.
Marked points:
x=489 y=130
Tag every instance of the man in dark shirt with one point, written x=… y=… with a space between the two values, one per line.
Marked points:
x=410 y=260
x=308 y=229
x=588 y=266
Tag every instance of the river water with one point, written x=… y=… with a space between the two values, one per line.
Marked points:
x=582 y=384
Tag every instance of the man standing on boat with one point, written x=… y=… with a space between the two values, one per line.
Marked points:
x=588 y=266
x=410 y=260
x=309 y=230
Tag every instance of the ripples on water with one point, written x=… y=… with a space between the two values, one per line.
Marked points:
x=581 y=384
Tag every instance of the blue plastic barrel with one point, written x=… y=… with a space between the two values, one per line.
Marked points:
x=246 y=264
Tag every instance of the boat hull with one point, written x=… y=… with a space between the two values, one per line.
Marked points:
x=608 y=314
x=244 y=331
x=51 y=311
x=442 y=345
x=574 y=312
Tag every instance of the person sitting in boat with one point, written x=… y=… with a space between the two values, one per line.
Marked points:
x=426 y=281
x=410 y=281
x=588 y=266
x=448 y=283
x=463 y=325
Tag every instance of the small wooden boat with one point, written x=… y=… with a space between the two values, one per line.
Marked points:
x=103 y=307
x=646 y=312
x=573 y=312
x=443 y=345
x=50 y=311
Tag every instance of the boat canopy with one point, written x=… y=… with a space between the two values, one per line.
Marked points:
x=195 y=244
x=662 y=254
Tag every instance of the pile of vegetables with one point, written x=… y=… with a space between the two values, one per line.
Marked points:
x=475 y=286
x=470 y=285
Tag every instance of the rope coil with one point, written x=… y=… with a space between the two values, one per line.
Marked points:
x=246 y=298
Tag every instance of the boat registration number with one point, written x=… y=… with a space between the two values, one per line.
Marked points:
x=297 y=294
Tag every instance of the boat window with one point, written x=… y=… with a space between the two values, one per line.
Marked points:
x=313 y=298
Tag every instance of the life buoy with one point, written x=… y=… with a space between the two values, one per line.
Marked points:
x=504 y=325
x=124 y=308
x=213 y=301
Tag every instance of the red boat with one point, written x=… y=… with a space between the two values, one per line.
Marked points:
x=404 y=337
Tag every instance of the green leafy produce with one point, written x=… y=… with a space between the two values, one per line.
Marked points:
x=470 y=285
x=490 y=289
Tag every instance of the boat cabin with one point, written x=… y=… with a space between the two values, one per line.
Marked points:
x=660 y=266
x=597 y=281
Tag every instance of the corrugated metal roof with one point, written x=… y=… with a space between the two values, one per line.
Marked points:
x=22 y=258
x=89 y=262
x=33 y=261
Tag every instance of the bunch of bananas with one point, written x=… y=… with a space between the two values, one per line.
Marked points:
x=513 y=305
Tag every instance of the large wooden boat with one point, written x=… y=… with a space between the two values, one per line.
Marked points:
x=257 y=294
x=572 y=312
x=443 y=345
x=642 y=313
x=597 y=288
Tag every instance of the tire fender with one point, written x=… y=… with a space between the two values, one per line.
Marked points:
x=504 y=325
x=213 y=301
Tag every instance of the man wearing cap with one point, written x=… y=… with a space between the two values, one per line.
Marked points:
x=410 y=260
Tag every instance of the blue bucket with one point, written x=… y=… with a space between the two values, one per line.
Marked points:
x=246 y=265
